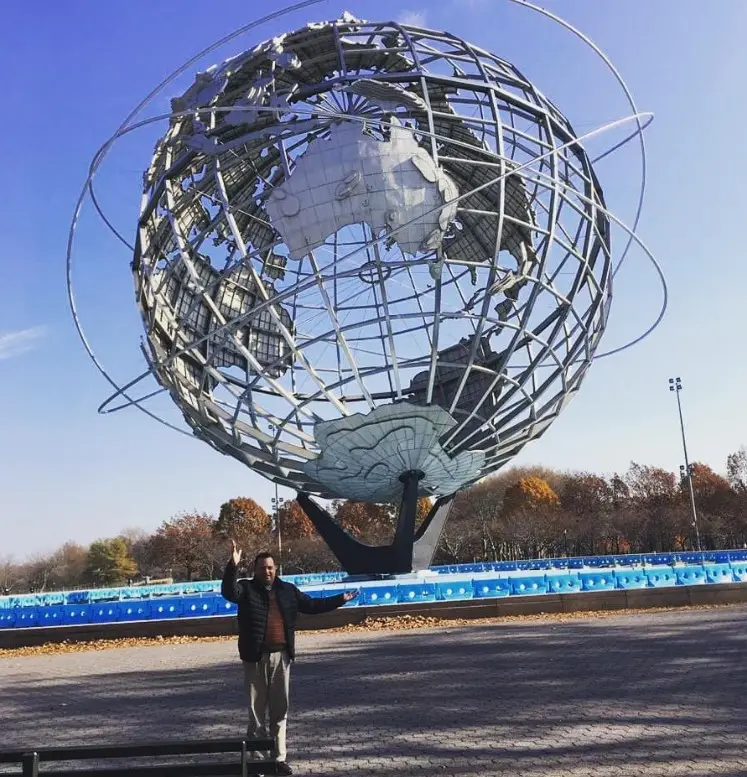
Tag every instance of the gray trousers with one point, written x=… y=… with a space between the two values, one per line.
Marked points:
x=267 y=683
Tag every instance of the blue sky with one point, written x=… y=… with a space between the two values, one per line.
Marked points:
x=73 y=70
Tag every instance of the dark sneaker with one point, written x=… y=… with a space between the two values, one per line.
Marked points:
x=281 y=767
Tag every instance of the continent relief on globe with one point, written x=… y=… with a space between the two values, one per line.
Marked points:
x=353 y=178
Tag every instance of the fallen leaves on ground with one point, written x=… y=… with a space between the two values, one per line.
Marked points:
x=408 y=622
x=69 y=646
x=394 y=623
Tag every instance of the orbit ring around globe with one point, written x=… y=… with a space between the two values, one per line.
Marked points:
x=367 y=252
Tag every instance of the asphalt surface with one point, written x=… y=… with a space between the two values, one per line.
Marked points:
x=644 y=694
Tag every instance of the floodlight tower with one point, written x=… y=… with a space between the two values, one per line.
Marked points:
x=675 y=385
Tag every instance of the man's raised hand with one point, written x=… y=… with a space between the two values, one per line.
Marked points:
x=348 y=596
x=236 y=553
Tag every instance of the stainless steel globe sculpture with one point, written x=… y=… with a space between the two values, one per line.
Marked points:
x=367 y=249
x=372 y=263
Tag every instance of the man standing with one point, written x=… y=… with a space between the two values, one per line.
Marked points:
x=268 y=609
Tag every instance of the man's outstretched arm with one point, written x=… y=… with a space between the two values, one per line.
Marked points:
x=309 y=606
x=229 y=588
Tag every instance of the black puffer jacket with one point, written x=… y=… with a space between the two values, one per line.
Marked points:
x=254 y=602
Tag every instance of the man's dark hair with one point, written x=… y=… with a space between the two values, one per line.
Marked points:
x=261 y=556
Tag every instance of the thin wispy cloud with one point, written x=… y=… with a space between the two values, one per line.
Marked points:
x=15 y=343
x=415 y=18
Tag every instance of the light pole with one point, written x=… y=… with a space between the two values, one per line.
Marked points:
x=675 y=384
x=277 y=503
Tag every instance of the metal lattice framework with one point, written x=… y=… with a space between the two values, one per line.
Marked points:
x=263 y=324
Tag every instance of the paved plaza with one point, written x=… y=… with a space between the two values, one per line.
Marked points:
x=638 y=694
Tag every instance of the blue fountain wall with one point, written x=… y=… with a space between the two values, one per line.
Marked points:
x=445 y=583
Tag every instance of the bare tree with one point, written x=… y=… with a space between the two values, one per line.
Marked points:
x=10 y=574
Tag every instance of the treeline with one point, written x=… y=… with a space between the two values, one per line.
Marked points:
x=520 y=513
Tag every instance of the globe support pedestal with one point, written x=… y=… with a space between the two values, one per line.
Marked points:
x=409 y=552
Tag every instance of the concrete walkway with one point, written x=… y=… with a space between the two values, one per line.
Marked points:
x=648 y=694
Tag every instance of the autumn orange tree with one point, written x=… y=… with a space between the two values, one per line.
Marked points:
x=530 y=493
x=293 y=521
x=372 y=522
x=529 y=515
x=189 y=547
x=363 y=520
x=710 y=488
x=243 y=520
x=422 y=509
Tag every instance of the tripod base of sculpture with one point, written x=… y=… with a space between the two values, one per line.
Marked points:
x=410 y=551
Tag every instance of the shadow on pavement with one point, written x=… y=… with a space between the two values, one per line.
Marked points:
x=635 y=695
